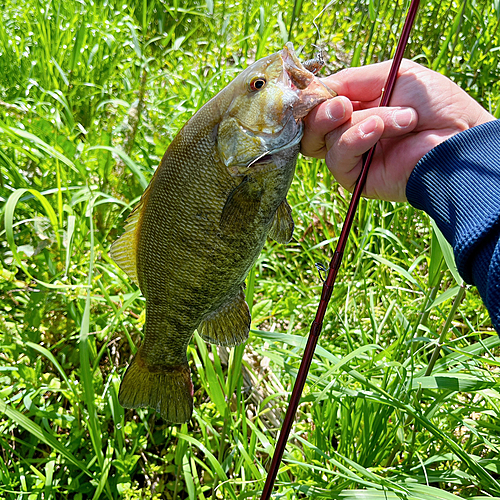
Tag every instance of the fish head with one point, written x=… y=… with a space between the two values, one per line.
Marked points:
x=264 y=116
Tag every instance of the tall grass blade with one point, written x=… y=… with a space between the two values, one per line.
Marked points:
x=41 y=434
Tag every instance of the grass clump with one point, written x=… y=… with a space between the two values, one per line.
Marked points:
x=402 y=398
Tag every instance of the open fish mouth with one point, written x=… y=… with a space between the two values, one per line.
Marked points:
x=311 y=90
x=294 y=72
x=260 y=125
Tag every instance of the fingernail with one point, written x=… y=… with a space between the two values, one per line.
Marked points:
x=368 y=127
x=336 y=110
x=403 y=117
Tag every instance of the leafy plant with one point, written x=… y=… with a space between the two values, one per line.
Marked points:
x=402 y=398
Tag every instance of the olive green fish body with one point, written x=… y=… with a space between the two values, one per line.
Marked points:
x=218 y=193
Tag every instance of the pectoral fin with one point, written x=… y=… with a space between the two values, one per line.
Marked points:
x=282 y=226
x=241 y=205
x=229 y=325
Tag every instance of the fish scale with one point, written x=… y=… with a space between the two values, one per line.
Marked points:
x=219 y=192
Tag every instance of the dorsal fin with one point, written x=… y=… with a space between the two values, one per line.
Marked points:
x=124 y=250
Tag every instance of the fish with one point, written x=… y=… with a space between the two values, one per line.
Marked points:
x=218 y=193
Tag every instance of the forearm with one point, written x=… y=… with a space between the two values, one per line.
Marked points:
x=458 y=185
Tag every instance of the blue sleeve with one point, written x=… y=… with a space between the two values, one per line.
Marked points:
x=458 y=184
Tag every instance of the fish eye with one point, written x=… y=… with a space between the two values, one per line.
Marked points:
x=257 y=84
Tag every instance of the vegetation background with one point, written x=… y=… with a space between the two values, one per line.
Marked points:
x=403 y=395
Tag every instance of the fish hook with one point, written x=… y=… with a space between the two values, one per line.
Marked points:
x=321 y=270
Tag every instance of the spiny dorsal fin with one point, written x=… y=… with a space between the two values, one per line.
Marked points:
x=124 y=250
x=282 y=226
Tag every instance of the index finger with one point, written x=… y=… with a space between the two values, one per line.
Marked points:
x=363 y=83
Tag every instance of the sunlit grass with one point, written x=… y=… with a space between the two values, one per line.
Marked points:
x=402 y=398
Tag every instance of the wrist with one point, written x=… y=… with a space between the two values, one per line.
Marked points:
x=483 y=117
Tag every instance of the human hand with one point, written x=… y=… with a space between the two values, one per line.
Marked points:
x=426 y=108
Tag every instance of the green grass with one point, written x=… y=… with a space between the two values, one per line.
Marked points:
x=403 y=394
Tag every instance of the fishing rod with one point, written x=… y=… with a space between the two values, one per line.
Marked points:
x=328 y=284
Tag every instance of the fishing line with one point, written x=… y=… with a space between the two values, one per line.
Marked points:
x=322 y=271
x=320 y=43
x=319 y=58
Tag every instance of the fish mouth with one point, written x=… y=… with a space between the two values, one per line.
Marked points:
x=310 y=90
x=298 y=76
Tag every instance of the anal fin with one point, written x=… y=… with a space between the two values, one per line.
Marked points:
x=229 y=325
x=282 y=225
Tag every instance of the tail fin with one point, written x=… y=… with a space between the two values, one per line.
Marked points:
x=168 y=390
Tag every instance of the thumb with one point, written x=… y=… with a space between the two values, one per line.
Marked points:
x=320 y=121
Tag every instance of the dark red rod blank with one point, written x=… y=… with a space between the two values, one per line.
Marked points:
x=334 y=267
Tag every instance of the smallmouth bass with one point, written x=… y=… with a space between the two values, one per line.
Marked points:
x=219 y=192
